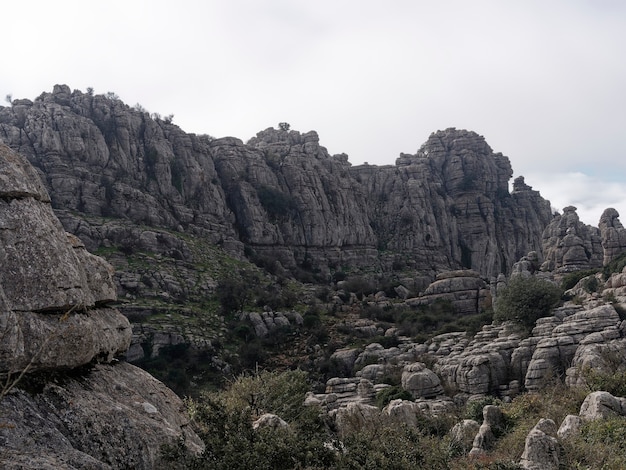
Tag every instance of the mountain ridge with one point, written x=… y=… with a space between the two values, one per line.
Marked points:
x=280 y=195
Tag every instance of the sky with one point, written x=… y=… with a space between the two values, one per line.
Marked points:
x=544 y=81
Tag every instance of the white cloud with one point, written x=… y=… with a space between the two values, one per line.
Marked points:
x=590 y=195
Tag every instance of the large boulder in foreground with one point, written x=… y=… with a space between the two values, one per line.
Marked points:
x=64 y=400
x=100 y=417
x=53 y=293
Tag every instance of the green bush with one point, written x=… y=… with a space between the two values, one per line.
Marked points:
x=391 y=393
x=600 y=444
x=571 y=279
x=526 y=299
x=615 y=266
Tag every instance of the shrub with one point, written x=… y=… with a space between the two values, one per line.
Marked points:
x=525 y=299
x=571 y=279
x=600 y=444
x=615 y=266
x=391 y=393
x=224 y=422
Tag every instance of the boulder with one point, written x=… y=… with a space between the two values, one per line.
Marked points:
x=105 y=416
x=570 y=427
x=269 y=421
x=485 y=437
x=465 y=290
x=602 y=405
x=462 y=435
x=541 y=450
x=420 y=381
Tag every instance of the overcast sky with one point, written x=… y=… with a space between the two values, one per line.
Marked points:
x=542 y=80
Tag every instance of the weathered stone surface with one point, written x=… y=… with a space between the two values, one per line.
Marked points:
x=465 y=290
x=613 y=235
x=482 y=365
x=269 y=421
x=402 y=412
x=462 y=434
x=420 y=381
x=354 y=417
x=541 y=451
x=18 y=179
x=473 y=217
x=602 y=405
x=69 y=410
x=570 y=427
x=52 y=291
x=485 y=437
x=282 y=194
x=570 y=245
x=107 y=417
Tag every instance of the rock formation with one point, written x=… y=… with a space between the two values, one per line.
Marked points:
x=464 y=289
x=541 y=450
x=613 y=235
x=281 y=194
x=66 y=402
x=570 y=245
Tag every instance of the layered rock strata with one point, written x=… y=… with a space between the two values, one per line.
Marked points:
x=281 y=194
x=65 y=401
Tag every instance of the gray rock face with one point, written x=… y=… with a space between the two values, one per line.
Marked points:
x=613 y=235
x=281 y=194
x=485 y=437
x=465 y=290
x=70 y=410
x=420 y=381
x=541 y=451
x=112 y=416
x=462 y=434
x=269 y=421
x=602 y=405
x=52 y=291
x=570 y=245
x=449 y=206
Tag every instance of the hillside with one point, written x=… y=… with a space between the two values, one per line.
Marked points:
x=362 y=301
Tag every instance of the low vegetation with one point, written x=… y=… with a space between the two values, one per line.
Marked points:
x=224 y=420
x=526 y=299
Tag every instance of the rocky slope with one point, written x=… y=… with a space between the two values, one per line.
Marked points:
x=281 y=194
x=76 y=406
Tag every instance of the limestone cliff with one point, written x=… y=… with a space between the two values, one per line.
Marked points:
x=282 y=194
x=65 y=401
x=449 y=206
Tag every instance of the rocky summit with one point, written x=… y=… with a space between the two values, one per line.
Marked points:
x=281 y=194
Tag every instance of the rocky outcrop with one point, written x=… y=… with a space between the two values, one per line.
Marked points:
x=281 y=194
x=541 y=449
x=65 y=401
x=613 y=235
x=449 y=205
x=464 y=289
x=570 y=245
x=53 y=293
x=106 y=417
x=486 y=435
x=420 y=381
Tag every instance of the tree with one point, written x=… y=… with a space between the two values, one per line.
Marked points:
x=526 y=299
x=9 y=98
x=284 y=126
